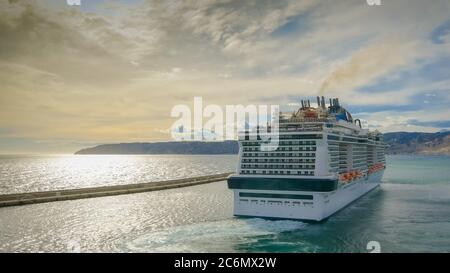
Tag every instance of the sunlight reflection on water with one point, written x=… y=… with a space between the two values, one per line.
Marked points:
x=39 y=173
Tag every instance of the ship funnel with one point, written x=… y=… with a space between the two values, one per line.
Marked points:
x=337 y=102
x=331 y=104
x=318 y=101
x=323 y=102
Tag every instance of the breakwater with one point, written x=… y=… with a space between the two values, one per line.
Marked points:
x=17 y=199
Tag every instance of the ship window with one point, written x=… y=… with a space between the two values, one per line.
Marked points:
x=274 y=202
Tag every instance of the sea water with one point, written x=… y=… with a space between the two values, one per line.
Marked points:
x=410 y=212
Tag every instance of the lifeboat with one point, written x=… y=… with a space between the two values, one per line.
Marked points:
x=352 y=175
x=375 y=167
x=310 y=113
x=344 y=177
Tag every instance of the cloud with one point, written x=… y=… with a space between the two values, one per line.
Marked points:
x=112 y=72
x=433 y=123
x=440 y=33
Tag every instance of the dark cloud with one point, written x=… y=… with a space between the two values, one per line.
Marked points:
x=438 y=34
x=46 y=41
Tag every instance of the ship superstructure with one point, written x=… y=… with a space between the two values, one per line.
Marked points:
x=323 y=161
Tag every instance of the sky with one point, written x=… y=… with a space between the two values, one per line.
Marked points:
x=111 y=71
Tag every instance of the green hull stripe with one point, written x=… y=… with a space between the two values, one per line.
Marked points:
x=282 y=184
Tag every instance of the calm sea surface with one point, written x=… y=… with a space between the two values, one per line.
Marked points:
x=410 y=212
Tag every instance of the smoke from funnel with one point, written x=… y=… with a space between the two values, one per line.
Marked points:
x=367 y=65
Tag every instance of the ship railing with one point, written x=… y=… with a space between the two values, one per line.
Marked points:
x=306 y=120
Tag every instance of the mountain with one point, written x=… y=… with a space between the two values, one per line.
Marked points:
x=187 y=147
x=399 y=143
x=418 y=143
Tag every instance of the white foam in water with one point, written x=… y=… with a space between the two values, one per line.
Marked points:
x=219 y=236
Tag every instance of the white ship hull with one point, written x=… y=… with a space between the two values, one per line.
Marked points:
x=321 y=161
x=321 y=206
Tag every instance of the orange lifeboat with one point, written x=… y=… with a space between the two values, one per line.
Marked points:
x=310 y=113
x=376 y=167
x=344 y=177
x=352 y=175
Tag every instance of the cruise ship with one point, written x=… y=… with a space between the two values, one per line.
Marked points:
x=324 y=160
